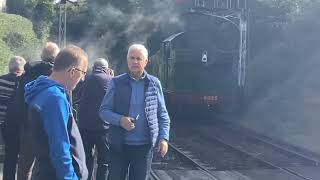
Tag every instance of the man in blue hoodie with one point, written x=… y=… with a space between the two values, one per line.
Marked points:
x=135 y=108
x=56 y=139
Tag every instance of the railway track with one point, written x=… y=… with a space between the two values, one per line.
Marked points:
x=154 y=176
x=278 y=144
x=248 y=152
x=274 y=165
x=271 y=145
x=204 y=167
x=189 y=162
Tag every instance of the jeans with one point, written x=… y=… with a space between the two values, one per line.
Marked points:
x=135 y=158
x=99 y=140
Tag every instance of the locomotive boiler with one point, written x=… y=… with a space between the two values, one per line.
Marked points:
x=204 y=66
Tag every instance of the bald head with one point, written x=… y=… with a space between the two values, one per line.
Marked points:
x=100 y=63
x=49 y=52
x=70 y=66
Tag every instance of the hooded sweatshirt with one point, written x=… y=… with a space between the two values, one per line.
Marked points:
x=49 y=99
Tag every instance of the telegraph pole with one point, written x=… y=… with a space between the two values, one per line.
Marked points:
x=63 y=27
x=63 y=23
x=63 y=20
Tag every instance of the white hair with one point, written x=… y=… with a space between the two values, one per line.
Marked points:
x=140 y=48
x=50 y=51
x=16 y=63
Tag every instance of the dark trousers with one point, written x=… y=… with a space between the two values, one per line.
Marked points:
x=99 y=140
x=11 y=139
x=135 y=158
x=26 y=155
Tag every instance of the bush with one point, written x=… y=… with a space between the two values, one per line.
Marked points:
x=16 y=38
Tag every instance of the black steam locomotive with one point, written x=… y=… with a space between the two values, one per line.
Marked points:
x=204 y=66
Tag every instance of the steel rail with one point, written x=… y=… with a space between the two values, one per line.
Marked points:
x=266 y=141
x=201 y=167
x=286 y=170
x=154 y=176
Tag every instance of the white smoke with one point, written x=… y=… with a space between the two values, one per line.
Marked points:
x=284 y=80
x=136 y=26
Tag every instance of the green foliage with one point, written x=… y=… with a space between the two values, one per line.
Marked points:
x=40 y=12
x=5 y=54
x=16 y=38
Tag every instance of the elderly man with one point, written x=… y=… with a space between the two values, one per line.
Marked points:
x=33 y=69
x=93 y=130
x=135 y=108
x=9 y=127
x=56 y=139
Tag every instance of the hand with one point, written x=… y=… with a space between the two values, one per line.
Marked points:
x=127 y=123
x=163 y=147
x=110 y=72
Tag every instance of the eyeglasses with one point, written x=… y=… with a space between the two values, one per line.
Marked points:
x=83 y=72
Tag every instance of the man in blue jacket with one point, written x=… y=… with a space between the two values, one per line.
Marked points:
x=93 y=130
x=135 y=108
x=56 y=139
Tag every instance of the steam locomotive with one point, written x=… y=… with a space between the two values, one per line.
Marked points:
x=204 y=66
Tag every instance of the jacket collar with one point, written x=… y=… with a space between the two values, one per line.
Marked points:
x=146 y=78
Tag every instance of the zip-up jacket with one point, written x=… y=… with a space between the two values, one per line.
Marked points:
x=114 y=107
x=56 y=139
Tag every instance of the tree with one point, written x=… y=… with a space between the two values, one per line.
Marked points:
x=16 y=38
x=40 y=12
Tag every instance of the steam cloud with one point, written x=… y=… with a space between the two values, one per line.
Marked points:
x=136 y=27
x=284 y=84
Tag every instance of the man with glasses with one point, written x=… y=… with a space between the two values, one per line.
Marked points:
x=83 y=72
x=57 y=143
x=135 y=108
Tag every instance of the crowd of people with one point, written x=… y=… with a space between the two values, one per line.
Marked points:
x=121 y=120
